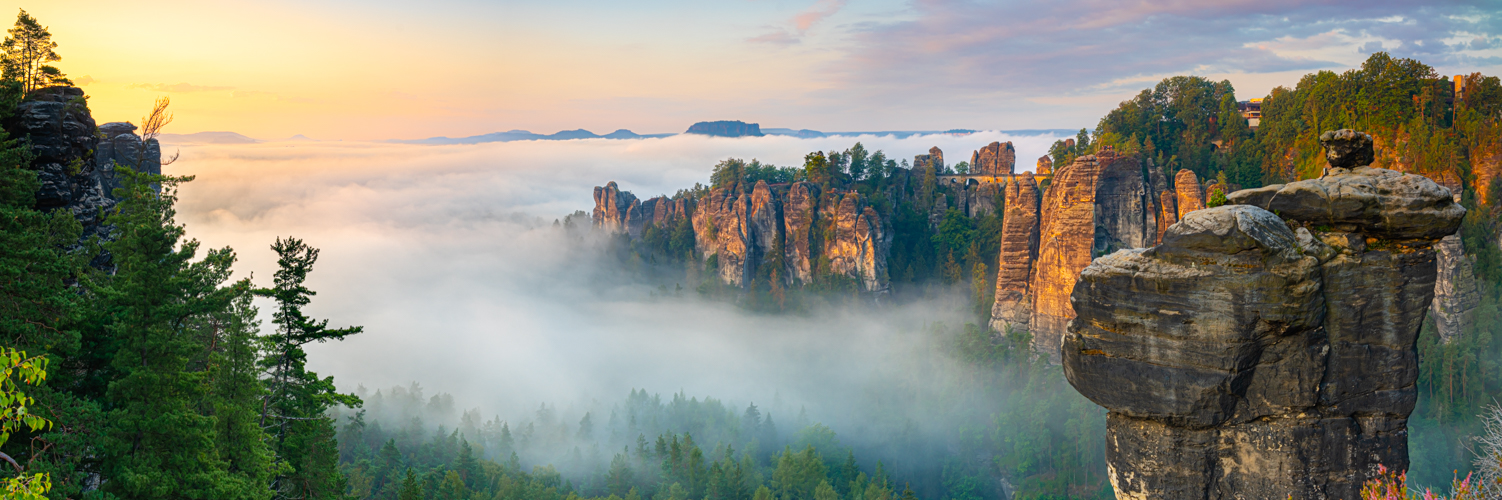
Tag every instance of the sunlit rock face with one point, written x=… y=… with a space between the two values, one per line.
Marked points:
x=997 y=158
x=737 y=233
x=1188 y=194
x=859 y=247
x=1265 y=348
x=798 y=214
x=1019 y=249
x=75 y=160
x=617 y=211
x=1066 y=242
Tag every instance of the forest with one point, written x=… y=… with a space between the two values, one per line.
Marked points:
x=135 y=367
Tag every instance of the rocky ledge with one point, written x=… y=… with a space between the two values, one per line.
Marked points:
x=1265 y=348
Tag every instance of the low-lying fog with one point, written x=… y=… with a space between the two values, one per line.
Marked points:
x=448 y=257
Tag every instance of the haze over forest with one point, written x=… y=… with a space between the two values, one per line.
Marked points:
x=739 y=311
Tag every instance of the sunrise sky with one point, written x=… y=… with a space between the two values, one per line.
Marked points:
x=381 y=69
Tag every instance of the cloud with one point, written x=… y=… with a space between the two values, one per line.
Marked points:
x=815 y=13
x=83 y=80
x=801 y=23
x=952 y=52
x=176 y=88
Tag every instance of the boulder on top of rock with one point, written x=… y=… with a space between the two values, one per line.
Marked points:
x=1375 y=201
x=1346 y=148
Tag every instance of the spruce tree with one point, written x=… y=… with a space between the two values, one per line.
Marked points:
x=158 y=443
x=296 y=404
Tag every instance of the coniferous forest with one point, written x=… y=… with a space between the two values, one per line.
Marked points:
x=136 y=368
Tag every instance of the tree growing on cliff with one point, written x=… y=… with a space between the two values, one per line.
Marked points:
x=28 y=49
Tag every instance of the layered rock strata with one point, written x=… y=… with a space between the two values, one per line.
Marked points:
x=996 y=158
x=1044 y=166
x=1066 y=243
x=1019 y=249
x=1266 y=348
x=1189 y=195
x=75 y=160
x=741 y=231
x=1455 y=291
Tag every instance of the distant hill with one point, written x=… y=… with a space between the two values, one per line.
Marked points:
x=804 y=133
x=523 y=135
x=205 y=138
x=726 y=128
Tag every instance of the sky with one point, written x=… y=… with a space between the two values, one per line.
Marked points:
x=383 y=69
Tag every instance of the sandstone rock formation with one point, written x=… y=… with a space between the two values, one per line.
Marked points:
x=76 y=167
x=1125 y=215
x=994 y=159
x=1190 y=196
x=725 y=128
x=740 y=231
x=1019 y=249
x=1253 y=356
x=1045 y=165
x=617 y=211
x=798 y=215
x=1066 y=242
x=1455 y=292
x=858 y=248
x=934 y=161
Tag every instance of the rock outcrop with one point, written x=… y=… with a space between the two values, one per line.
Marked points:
x=1189 y=195
x=75 y=160
x=740 y=231
x=1045 y=165
x=859 y=246
x=725 y=128
x=1256 y=356
x=617 y=211
x=934 y=161
x=799 y=212
x=1019 y=249
x=1455 y=291
x=1125 y=213
x=1066 y=243
x=995 y=159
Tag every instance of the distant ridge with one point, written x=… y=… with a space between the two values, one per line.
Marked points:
x=718 y=129
x=523 y=135
x=206 y=138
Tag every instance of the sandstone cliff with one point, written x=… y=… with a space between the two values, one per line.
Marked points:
x=1019 y=249
x=995 y=158
x=1455 y=291
x=1066 y=241
x=1045 y=166
x=75 y=160
x=740 y=232
x=1190 y=196
x=1253 y=356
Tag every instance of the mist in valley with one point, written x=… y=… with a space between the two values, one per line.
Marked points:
x=481 y=312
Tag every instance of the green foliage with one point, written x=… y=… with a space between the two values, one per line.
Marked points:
x=15 y=413
x=27 y=51
x=297 y=400
x=738 y=175
x=158 y=444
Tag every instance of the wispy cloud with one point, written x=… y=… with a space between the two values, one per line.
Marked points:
x=950 y=51
x=176 y=88
x=801 y=23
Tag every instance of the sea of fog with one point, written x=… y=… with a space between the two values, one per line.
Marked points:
x=448 y=258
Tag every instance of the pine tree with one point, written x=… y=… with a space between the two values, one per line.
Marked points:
x=410 y=489
x=236 y=391
x=157 y=443
x=28 y=49
x=297 y=401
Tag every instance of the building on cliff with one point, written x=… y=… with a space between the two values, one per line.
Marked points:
x=1266 y=348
